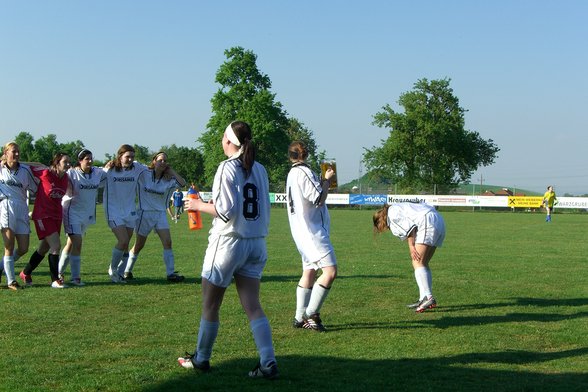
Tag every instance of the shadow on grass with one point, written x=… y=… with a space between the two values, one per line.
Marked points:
x=465 y=372
x=542 y=302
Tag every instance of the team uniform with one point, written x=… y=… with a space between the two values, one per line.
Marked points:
x=120 y=210
x=14 y=209
x=79 y=204
x=48 y=212
x=236 y=242
x=403 y=218
x=309 y=221
x=153 y=195
x=119 y=195
x=178 y=203
x=549 y=199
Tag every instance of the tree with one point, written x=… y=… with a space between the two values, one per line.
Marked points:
x=245 y=95
x=187 y=162
x=143 y=154
x=428 y=145
x=26 y=146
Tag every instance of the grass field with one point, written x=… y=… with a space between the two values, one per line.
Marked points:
x=512 y=316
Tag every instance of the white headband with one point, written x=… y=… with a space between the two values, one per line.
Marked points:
x=231 y=136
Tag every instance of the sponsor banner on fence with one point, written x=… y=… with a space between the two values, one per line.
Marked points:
x=525 y=201
x=572 y=202
x=377 y=200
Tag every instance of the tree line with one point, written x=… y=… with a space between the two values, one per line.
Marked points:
x=427 y=142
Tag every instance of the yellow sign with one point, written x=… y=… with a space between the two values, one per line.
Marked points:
x=525 y=201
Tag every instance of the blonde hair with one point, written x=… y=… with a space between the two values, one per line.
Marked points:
x=6 y=147
x=381 y=219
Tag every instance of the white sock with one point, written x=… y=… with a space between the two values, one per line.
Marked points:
x=430 y=281
x=206 y=337
x=123 y=263
x=63 y=262
x=168 y=259
x=131 y=262
x=262 y=334
x=117 y=255
x=302 y=299
x=422 y=279
x=317 y=298
x=9 y=269
x=76 y=266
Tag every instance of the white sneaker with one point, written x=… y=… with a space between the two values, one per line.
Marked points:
x=115 y=277
x=77 y=282
x=58 y=284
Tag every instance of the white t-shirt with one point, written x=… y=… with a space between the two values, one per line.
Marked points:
x=242 y=203
x=15 y=184
x=79 y=204
x=120 y=191
x=154 y=194
x=403 y=218
x=309 y=221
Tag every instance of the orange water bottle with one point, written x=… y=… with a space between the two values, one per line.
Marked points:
x=194 y=218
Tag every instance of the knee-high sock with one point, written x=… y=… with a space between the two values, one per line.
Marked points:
x=63 y=262
x=76 y=266
x=54 y=266
x=168 y=259
x=131 y=262
x=317 y=298
x=123 y=263
x=117 y=255
x=423 y=276
x=206 y=338
x=302 y=299
x=9 y=268
x=262 y=334
x=33 y=263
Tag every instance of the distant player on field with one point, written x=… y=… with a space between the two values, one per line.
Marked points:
x=549 y=200
x=178 y=204
x=310 y=225
x=423 y=229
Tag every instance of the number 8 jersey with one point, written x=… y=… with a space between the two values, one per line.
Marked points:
x=242 y=203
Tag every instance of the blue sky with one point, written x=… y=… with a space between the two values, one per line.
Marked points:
x=113 y=72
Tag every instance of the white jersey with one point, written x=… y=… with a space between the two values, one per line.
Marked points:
x=242 y=203
x=15 y=184
x=154 y=194
x=309 y=221
x=403 y=218
x=120 y=191
x=79 y=204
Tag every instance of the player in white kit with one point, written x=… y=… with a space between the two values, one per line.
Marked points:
x=310 y=226
x=79 y=211
x=236 y=248
x=119 y=206
x=155 y=187
x=423 y=228
x=16 y=179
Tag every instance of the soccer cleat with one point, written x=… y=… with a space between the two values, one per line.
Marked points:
x=26 y=279
x=175 y=278
x=297 y=324
x=313 y=322
x=416 y=304
x=77 y=282
x=14 y=286
x=128 y=276
x=270 y=372
x=115 y=277
x=58 y=284
x=188 y=362
x=427 y=303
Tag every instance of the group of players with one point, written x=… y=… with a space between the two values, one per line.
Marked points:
x=236 y=248
x=67 y=195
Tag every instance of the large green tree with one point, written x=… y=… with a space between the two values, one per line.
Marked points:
x=245 y=95
x=187 y=162
x=428 y=146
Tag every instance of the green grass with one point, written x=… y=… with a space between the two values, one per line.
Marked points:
x=513 y=311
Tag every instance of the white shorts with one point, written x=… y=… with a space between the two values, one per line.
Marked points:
x=129 y=221
x=329 y=260
x=229 y=256
x=151 y=220
x=75 y=229
x=14 y=216
x=431 y=230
